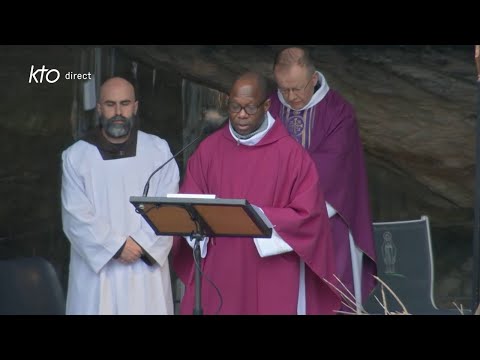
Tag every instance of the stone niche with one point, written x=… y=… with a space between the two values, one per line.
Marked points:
x=415 y=107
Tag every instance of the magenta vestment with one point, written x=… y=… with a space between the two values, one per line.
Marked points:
x=279 y=176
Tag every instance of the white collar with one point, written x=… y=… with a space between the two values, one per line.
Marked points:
x=317 y=96
x=255 y=139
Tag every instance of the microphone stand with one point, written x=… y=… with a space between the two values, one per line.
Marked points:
x=197 y=310
x=197 y=236
x=147 y=185
x=207 y=130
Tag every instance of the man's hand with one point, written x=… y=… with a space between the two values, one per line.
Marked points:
x=131 y=252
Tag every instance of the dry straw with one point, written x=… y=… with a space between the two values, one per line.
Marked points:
x=348 y=299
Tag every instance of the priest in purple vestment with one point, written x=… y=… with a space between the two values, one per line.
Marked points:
x=253 y=157
x=324 y=123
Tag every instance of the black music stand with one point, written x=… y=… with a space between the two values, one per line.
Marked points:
x=199 y=218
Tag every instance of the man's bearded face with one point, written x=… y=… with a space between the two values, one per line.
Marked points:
x=117 y=126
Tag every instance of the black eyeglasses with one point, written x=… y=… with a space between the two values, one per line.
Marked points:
x=249 y=109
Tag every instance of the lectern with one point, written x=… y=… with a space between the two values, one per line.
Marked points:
x=199 y=218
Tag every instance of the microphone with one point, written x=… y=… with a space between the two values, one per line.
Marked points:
x=213 y=121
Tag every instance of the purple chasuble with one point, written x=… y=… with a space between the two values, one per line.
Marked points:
x=328 y=130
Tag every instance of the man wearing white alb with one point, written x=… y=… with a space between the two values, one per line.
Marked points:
x=117 y=264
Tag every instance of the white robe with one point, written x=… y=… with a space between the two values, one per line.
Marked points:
x=98 y=218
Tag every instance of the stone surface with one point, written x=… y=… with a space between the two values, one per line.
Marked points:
x=416 y=108
x=415 y=105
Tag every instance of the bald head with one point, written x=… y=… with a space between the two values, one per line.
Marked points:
x=254 y=80
x=117 y=108
x=291 y=56
x=295 y=75
x=115 y=85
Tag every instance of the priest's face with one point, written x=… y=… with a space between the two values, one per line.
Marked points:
x=117 y=109
x=117 y=126
x=247 y=106
x=296 y=84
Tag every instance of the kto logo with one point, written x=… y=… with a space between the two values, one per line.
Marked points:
x=51 y=75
